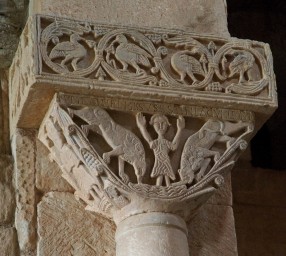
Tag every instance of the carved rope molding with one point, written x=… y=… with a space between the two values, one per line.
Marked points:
x=156 y=158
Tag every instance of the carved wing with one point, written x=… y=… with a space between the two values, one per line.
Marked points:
x=195 y=64
x=62 y=49
x=137 y=50
x=65 y=46
x=238 y=62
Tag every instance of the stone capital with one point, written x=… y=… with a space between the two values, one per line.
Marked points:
x=144 y=123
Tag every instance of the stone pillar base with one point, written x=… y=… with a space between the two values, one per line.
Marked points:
x=152 y=234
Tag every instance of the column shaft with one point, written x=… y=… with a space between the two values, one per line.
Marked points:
x=152 y=234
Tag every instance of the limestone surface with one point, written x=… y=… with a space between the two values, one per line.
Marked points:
x=200 y=16
x=212 y=232
x=65 y=228
x=156 y=90
x=11 y=22
x=4 y=113
x=7 y=196
x=48 y=173
x=23 y=147
x=8 y=242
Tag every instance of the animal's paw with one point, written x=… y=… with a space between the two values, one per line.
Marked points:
x=217 y=156
x=199 y=176
x=230 y=142
x=124 y=177
x=85 y=129
x=140 y=72
x=106 y=158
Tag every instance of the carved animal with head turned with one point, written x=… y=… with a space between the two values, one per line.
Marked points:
x=197 y=155
x=124 y=143
x=131 y=54
x=71 y=51
x=186 y=65
x=242 y=63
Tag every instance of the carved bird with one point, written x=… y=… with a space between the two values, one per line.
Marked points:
x=241 y=64
x=131 y=54
x=124 y=143
x=72 y=50
x=184 y=65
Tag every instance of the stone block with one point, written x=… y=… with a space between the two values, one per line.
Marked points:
x=8 y=242
x=223 y=195
x=48 y=174
x=212 y=232
x=66 y=228
x=208 y=16
x=23 y=148
x=7 y=201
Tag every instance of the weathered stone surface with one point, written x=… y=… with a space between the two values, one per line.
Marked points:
x=23 y=148
x=65 y=228
x=11 y=22
x=152 y=234
x=213 y=236
x=7 y=201
x=8 y=242
x=48 y=173
x=201 y=16
x=4 y=113
x=223 y=195
x=9 y=37
x=212 y=232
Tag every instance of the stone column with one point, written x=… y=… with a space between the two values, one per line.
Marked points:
x=152 y=234
x=144 y=122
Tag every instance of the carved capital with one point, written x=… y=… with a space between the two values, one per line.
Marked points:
x=147 y=121
x=122 y=163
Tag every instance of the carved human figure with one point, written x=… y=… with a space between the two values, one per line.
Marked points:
x=124 y=143
x=197 y=155
x=162 y=167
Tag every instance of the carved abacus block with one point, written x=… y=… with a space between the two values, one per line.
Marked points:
x=140 y=63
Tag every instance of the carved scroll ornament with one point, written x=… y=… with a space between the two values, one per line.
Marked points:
x=158 y=57
x=140 y=163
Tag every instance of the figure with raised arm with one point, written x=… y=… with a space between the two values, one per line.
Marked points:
x=161 y=147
